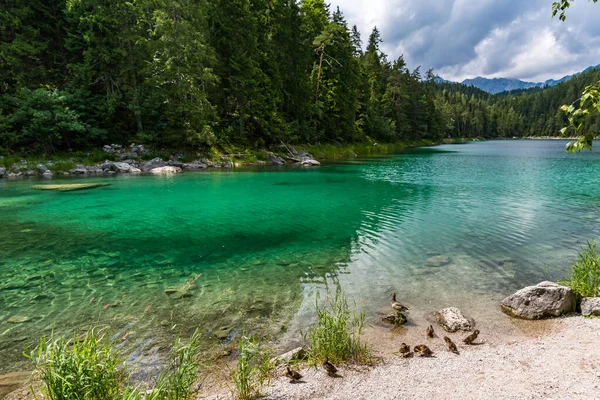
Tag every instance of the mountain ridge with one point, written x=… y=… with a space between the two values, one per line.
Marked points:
x=498 y=85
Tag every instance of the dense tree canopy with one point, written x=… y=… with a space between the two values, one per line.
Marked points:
x=76 y=74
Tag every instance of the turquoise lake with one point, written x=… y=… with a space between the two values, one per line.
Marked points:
x=247 y=250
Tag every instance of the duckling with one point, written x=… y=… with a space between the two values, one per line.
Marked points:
x=329 y=367
x=450 y=344
x=390 y=319
x=397 y=305
x=293 y=375
x=423 y=350
x=429 y=331
x=471 y=338
x=405 y=350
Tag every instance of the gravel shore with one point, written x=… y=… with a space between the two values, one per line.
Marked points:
x=563 y=363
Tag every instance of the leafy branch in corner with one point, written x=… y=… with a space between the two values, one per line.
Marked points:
x=588 y=102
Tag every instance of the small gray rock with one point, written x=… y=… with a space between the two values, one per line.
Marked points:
x=275 y=159
x=165 y=170
x=194 y=166
x=42 y=168
x=297 y=354
x=79 y=170
x=590 y=306
x=544 y=300
x=156 y=162
x=47 y=174
x=310 y=162
x=2 y=172
x=452 y=320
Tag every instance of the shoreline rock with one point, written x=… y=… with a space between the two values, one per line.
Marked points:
x=167 y=170
x=129 y=162
x=453 y=320
x=590 y=306
x=544 y=300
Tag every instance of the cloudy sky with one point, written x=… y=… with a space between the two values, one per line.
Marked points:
x=492 y=38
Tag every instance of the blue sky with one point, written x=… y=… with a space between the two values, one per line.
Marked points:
x=492 y=38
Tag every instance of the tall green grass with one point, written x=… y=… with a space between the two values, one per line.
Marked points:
x=86 y=369
x=337 y=333
x=176 y=382
x=584 y=277
x=252 y=371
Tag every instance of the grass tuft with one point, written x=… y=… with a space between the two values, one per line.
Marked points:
x=253 y=369
x=584 y=276
x=337 y=334
x=176 y=383
x=86 y=369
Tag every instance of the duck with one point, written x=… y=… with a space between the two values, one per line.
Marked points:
x=405 y=350
x=329 y=367
x=471 y=338
x=390 y=319
x=293 y=375
x=396 y=305
x=429 y=331
x=423 y=350
x=450 y=344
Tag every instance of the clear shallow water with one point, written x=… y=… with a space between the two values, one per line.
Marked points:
x=505 y=213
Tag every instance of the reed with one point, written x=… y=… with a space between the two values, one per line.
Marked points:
x=337 y=333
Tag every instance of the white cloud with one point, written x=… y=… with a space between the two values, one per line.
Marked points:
x=492 y=38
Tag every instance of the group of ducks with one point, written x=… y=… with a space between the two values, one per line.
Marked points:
x=404 y=351
x=327 y=366
x=422 y=349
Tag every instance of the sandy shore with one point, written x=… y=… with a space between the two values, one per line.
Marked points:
x=551 y=359
x=561 y=363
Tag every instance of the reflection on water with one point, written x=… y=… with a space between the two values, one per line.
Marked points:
x=452 y=225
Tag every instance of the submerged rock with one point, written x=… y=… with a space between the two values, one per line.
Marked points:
x=223 y=332
x=69 y=186
x=590 y=306
x=452 y=320
x=437 y=261
x=544 y=300
x=18 y=319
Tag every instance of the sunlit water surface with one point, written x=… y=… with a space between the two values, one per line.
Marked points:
x=262 y=243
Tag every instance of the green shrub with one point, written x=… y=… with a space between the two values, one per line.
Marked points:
x=585 y=273
x=176 y=383
x=89 y=369
x=337 y=333
x=85 y=369
x=252 y=371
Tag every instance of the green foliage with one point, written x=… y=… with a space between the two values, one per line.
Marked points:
x=588 y=102
x=43 y=121
x=176 y=383
x=253 y=369
x=337 y=333
x=584 y=278
x=560 y=7
x=86 y=369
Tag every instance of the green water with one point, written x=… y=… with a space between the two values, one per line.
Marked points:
x=506 y=213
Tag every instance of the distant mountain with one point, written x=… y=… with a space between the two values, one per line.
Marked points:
x=497 y=85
